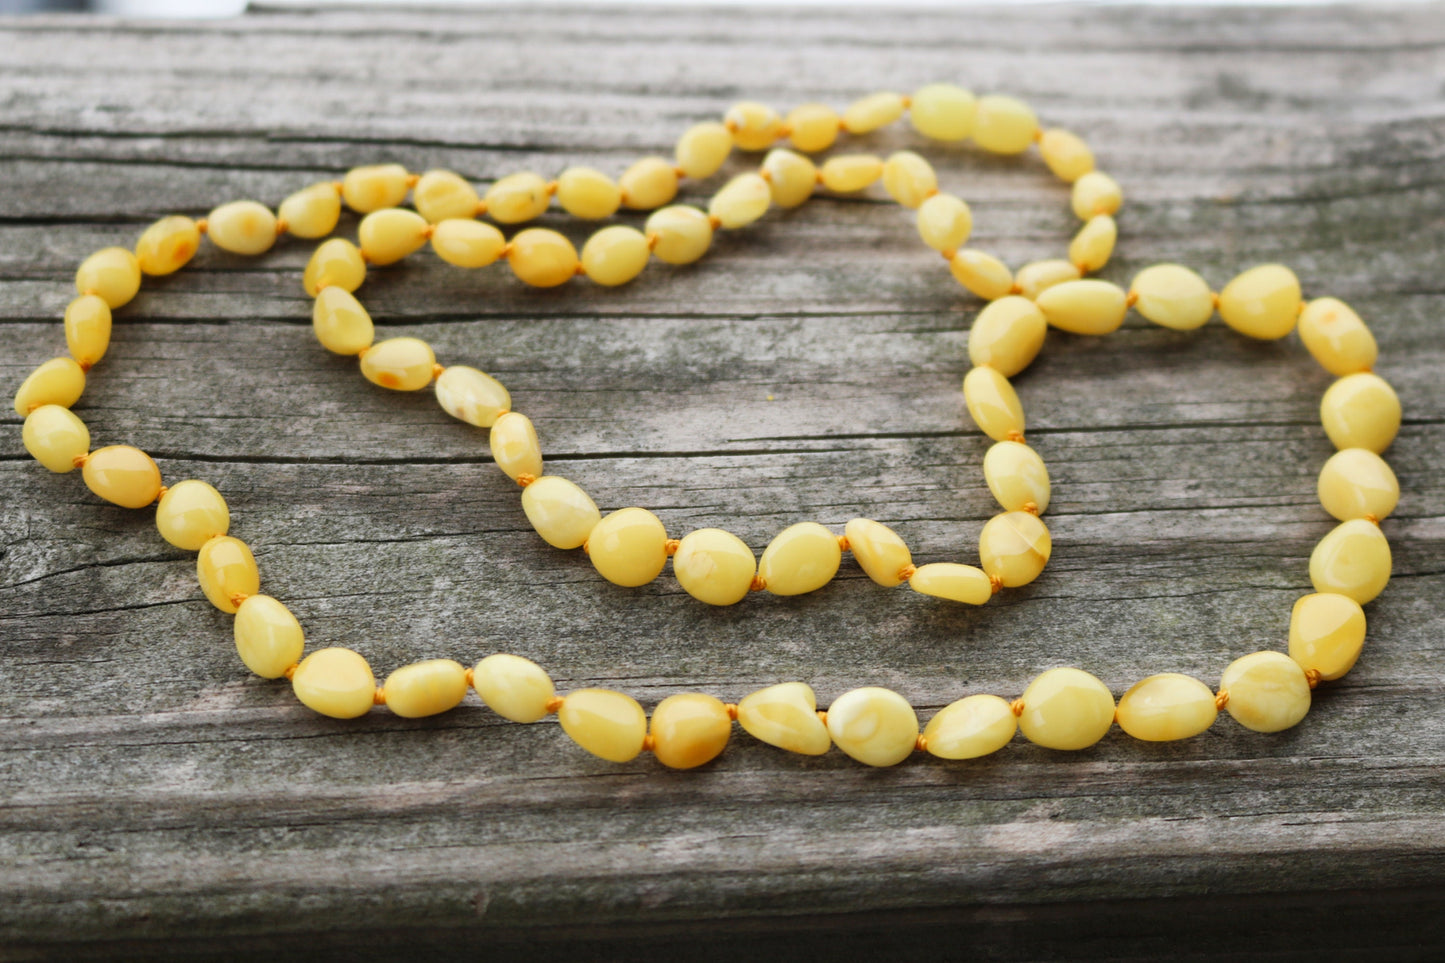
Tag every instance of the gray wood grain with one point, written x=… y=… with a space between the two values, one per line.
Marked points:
x=157 y=800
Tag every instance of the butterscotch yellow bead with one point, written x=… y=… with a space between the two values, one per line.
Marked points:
x=513 y=687
x=1268 y=691
x=340 y=323
x=1172 y=296
x=1353 y=560
x=615 y=255
x=873 y=725
x=754 y=126
x=1014 y=548
x=846 y=173
x=648 y=184
x=227 y=570
x=1356 y=482
x=628 y=547
x=689 y=730
x=702 y=149
x=514 y=446
x=683 y=234
x=87 y=329
x=367 y=189
x=517 y=197
x=312 y=211
x=167 y=245
x=1088 y=306
x=1066 y=709
x=983 y=274
x=813 y=127
x=741 y=201
x=472 y=396
x=55 y=437
x=59 y=381
x=1007 y=335
x=1092 y=247
x=443 y=195
x=122 y=475
x=561 y=512
x=542 y=258
x=880 y=552
x=1004 y=125
x=785 y=715
x=607 y=724
x=1166 y=707
x=1096 y=193
x=944 y=222
x=1361 y=411
x=335 y=682
x=1263 y=302
x=992 y=403
x=467 y=243
x=401 y=364
x=978 y=725
x=191 y=513
x=1336 y=336
x=588 y=194
x=909 y=179
x=791 y=177
x=391 y=234
x=1066 y=154
x=801 y=558
x=242 y=227
x=1326 y=633
x=943 y=112
x=1017 y=477
x=111 y=274
x=873 y=112
x=952 y=581
x=269 y=640
x=425 y=688
x=336 y=263
x=714 y=566
x=1036 y=277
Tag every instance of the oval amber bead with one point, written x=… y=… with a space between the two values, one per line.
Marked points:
x=801 y=558
x=269 y=640
x=702 y=149
x=1353 y=560
x=335 y=682
x=683 y=234
x=472 y=396
x=975 y=726
x=242 y=227
x=873 y=725
x=167 y=245
x=1326 y=633
x=1004 y=125
x=1268 y=691
x=401 y=364
x=880 y=552
x=1096 y=193
x=1088 y=306
x=340 y=323
x=55 y=437
x=615 y=255
x=628 y=547
x=467 y=243
x=607 y=724
x=1066 y=154
x=588 y=194
x=542 y=258
x=59 y=381
x=312 y=211
x=944 y=222
x=123 y=475
x=111 y=274
x=391 y=234
x=1166 y=707
x=943 y=112
x=648 y=184
x=191 y=513
x=1036 y=277
x=1356 y=482
x=517 y=197
x=983 y=274
x=1014 y=547
x=993 y=403
x=785 y=715
x=873 y=112
x=1337 y=337
x=513 y=687
x=689 y=730
x=1263 y=302
x=367 y=189
x=514 y=445
x=442 y=196
x=227 y=570
x=1066 y=709
x=336 y=263
x=846 y=173
x=87 y=329
x=1017 y=477
x=561 y=512
x=425 y=688
x=791 y=177
x=909 y=179
x=1092 y=247
x=1172 y=296
x=813 y=127
x=754 y=126
x=952 y=581
x=1361 y=411
x=714 y=566
x=741 y=201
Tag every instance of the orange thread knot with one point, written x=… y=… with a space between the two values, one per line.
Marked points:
x=1222 y=699
x=1016 y=707
x=670 y=547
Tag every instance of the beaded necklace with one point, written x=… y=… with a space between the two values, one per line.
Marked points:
x=1063 y=708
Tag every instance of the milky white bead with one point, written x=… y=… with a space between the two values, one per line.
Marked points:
x=741 y=201
x=1004 y=125
x=1092 y=247
x=1326 y=633
x=983 y=274
x=517 y=197
x=59 y=381
x=467 y=243
x=391 y=234
x=992 y=403
x=846 y=173
x=335 y=682
x=873 y=112
x=1353 y=560
x=561 y=512
x=588 y=194
x=367 y=189
x=952 y=581
x=785 y=715
x=879 y=550
x=514 y=445
x=1066 y=154
x=401 y=364
x=242 y=227
x=1066 y=709
x=514 y=688
x=801 y=558
x=1357 y=482
x=628 y=547
x=714 y=566
x=1166 y=707
x=55 y=437
x=754 y=126
x=167 y=245
x=1336 y=336
x=689 y=730
x=425 y=688
x=312 y=211
x=1268 y=691
x=191 y=513
x=702 y=149
x=443 y=195
x=607 y=724
x=1088 y=306
x=340 y=323
x=123 y=476
x=226 y=569
x=87 y=329
x=1007 y=335
x=1037 y=277
x=336 y=263
x=909 y=179
x=542 y=258
x=1361 y=411
x=943 y=112
x=683 y=234
x=944 y=222
x=1014 y=548
x=1172 y=296
x=615 y=255
x=971 y=727
x=1096 y=193
x=648 y=184
x=875 y=726
x=1016 y=476
x=791 y=177
x=269 y=640
x=111 y=274
x=472 y=396
x=1263 y=302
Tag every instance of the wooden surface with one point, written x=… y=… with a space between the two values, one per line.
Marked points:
x=156 y=799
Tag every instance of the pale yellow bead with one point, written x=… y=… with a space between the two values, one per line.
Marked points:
x=1268 y=691
x=443 y=195
x=269 y=640
x=944 y=222
x=1004 y=125
x=167 y=245
x=1066 y=154
x=242 y=227
x=87 y=329
x=702 y=149
x=648 y=184
x=909 y=179
x=1088 y=306
x=880 y=552
x=1353 y=560
x=1326 y=633
x=335 y=682
x=689 y=730
x=714 y=566
x=1096 y=193
x=401 y=364
x=391 y=234
x=983 y=274
x=1092 y=247
x=1014 y=548
x=467 y=243
x=1361 y=411
x=971 y=727
x=312 y=211
x=191 y=513
x=785 y=715
x=226 y=570
x=1172 y=296
x=367 y=189
x=754 y=126
x=943 y=112
x=813 y=127
x=992 y=403
x=1017 y=477
x=1007 y=335
x=122 y=475
x=472 y=396
x=1066 y=709
x=952 y=581
x=1263 y=302
x=542 y=258
x=55 y=437
x=1166 y=707
x=425 y=688
x=873 y=725
x=1356 y=482
x=1336 y=336
x=801 y=558
x=741 y=201
x=336 y=263
x=561 y=512
x=607 y=724
x=615 y=255
x=588 y=194
x=683 y=234
x=846 y=173
x=340 y=323
x=514 y=446
x=514 y=688
x=791 y=177
x=1036 y=277
x=59 y=381
x=628 y=547
x=873 y=112
x=111 y=274
x=517 y=197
